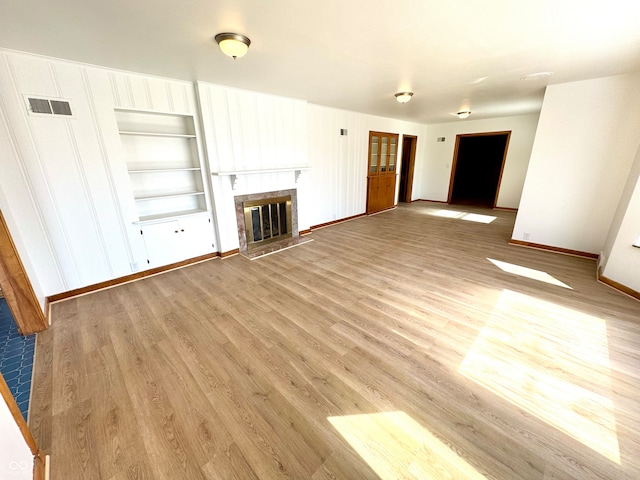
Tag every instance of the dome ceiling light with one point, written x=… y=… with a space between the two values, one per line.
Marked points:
x=403 y=97
x=233 y=44
x=464 y=114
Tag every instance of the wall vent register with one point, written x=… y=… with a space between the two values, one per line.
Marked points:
x=48 y=106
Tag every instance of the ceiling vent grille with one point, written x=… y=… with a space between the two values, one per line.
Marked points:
x=46 y=106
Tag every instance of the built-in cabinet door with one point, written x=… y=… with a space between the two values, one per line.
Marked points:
x=381 y=181
x=177 y=240
x=373 y=192
x=197 y=235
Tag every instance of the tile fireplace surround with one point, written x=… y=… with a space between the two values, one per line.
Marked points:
x=274 y=246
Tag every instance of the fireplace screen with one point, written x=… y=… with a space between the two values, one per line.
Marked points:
x=267 y=220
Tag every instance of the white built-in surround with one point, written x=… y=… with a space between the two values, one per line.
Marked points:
x=65 y=190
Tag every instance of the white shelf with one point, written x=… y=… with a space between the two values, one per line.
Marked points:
x=164 y=217
x=160 y=170
x=234 y=175
x=167 y=195
x=266 y=170
x=157 y=134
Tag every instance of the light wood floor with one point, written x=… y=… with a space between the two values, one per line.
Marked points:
x=388 y=348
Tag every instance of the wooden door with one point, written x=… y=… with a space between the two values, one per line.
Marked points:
x=373 y=192
x=406 y=167
x=381 y=177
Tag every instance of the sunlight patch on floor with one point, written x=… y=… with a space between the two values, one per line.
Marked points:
x=552 y=362
x=395 y=446
x=445 y=213
x=528 y=273
x=470 y=217
x=476 y=217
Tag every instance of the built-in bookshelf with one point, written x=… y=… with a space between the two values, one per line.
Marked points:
x=163 y=162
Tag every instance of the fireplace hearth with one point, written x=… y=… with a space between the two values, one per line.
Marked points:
x=267 y=222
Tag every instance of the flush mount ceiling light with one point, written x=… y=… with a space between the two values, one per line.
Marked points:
x=464 y=114
x=403 y=97
x=233 y=44
x=536 y=76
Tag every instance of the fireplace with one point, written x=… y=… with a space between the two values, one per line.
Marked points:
x=267 y=222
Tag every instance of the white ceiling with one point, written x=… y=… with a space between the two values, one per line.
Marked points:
x=351 y=54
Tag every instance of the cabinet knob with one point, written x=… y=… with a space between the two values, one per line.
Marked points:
x=176 y=231
x=182 y=229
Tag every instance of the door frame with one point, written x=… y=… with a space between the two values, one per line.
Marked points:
x=410 y=170
x=454 y=162
x=17 y=288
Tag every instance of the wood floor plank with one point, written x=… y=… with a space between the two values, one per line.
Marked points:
x=113 y=422
x=391 y=347
x=42 y=391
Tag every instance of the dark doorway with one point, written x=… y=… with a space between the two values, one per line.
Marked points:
x=406 y=167
x=478 y=161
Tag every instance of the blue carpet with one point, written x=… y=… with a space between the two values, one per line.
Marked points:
x=16 y=358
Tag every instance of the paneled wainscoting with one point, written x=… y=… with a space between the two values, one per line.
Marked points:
x=412 y=344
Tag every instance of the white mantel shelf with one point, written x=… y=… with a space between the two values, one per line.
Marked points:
x=238 y=173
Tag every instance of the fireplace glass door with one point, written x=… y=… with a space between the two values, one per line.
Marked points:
x=267 y=220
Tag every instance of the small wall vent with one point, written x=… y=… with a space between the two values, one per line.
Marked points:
x=48 y=106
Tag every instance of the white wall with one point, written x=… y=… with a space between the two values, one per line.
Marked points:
x=64 y=183
x=435 y=172
x=621 y=260
x=587 y=136
x=16 y=460
x=338 y=176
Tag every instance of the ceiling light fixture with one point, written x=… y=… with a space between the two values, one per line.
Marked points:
x=536 y=76
x=233 y=44
x=464 y=114
x=403 y=97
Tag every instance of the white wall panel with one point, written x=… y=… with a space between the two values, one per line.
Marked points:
x=247 y=130
x=22 y=75
x=141 y=92
x=116 y=222
x=23 y=215
x=621 y=260
x=587 y=136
